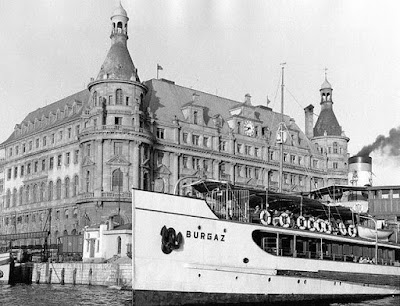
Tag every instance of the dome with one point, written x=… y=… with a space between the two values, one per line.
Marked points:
x=119 y=11
x=326 y=85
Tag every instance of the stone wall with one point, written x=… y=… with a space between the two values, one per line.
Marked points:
x=104 y=274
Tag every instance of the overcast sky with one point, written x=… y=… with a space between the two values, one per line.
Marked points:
x=51 y=49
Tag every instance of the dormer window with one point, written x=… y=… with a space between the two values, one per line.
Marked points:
x=195 y=117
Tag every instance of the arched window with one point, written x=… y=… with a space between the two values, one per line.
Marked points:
x=119 y=244
x=34 y=193
x=21 y=195
x=58 y=189
x=75 y=187
x=73 y=232
x=66 y=214
x=65 y=233
x=195 y=117
x=95 y=98
x=75 y=213
x=41 y=193
x=27 y=195
x=87 y=181
x=118 y=96
x=14 y=197
x=50 y=193
x=8 y=198
x=67 y=187
x=117 y=180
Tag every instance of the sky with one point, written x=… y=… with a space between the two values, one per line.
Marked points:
x=50 y=49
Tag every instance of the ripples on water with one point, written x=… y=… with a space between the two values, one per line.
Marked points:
x=68 y=295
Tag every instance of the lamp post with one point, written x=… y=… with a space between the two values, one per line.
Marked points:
x=376 y=236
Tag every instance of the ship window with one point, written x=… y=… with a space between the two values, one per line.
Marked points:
x=119 y=244
x=396 y=193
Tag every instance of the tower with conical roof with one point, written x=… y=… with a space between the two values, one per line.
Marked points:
x=328 y=138
x=116 y=138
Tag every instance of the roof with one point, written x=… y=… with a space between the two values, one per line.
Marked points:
x=119 y=11
x=326 y=85
x=118 y=64
x=166 y=100
x=81 y=96
x=127 y=226
x=328 y=123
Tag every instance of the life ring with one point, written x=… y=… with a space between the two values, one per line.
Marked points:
x=284 y=220
x=317 y=225
x=311 y=223
x=322 y=225
x=262 y=217
x=342 y=229
x=301 y=223
x=352 y=230
x=328 y=229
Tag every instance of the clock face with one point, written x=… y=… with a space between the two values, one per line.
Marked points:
x=249 y=128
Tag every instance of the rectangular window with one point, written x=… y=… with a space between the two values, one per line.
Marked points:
x=196 y=163
x=257 y=152
x=117 y=148
x=30 y=145
x=184 y=137
x=37 y=143
x=23 y=148
x=299 y=160
x=51 y=163
x=76 y=156
x=59 y=159
x=43 y=164
x=52 y=138
x=44 y=141
x=11 y=152
x=247 y=172
x=285 y=157
x=16 y=150
x=285 y=178
x=247 y=150
x=60 y=135
x=205 y=141
x=118 y=121
x=67 y=158
x=335 y=165
x=292 y=159
x=160 y=133
x=185 y=162
x=127 y=101
x=22 y=170
x=110 y=100
x=15 y=172
x=9 y=174
x=88 y=149
x=257 y=173
x=195 y=140
x=223 y=145
x=160 y=156
x=94 y=122
x=301 y=181
x=36 y=166
x=28 y=168
x=239 y=148
x=205 y=165
x=77 y=130
x=69 y=132
x=315 y=163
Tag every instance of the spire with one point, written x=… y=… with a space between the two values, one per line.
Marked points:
x=118 y=63
x=327 y=124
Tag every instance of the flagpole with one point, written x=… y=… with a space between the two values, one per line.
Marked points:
x=157 y=71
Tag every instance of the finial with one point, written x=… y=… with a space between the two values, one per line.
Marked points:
x=326 y=73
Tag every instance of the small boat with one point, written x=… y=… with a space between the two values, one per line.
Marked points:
x=371 y=233
x=5 y=268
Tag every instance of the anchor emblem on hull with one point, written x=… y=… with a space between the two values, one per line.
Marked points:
x=170 y=240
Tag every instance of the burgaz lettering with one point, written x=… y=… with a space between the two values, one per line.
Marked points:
x=205 y=236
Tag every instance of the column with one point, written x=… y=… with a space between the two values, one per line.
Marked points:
x=175 y=168
x=135 y=145
x=98 y=180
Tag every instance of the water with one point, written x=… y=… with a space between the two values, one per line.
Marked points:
x=68 y=295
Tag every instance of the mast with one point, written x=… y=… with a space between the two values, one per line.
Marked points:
x=281 y=133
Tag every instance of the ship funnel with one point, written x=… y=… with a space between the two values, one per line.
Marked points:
x=360 y=171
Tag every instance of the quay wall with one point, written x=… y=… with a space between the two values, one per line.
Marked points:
x=80 y=273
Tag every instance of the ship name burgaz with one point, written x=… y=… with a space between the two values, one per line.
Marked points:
x=205 y=236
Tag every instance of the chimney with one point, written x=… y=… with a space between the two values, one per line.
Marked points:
x=309 y=121
x=247 y=99
x=195 y=97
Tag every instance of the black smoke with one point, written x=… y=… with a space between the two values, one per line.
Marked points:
x=391 y=142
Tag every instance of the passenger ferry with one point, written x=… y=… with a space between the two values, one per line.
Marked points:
x=229 y=244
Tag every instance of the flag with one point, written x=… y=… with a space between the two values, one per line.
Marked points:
x=159 y=67
x=268 y=101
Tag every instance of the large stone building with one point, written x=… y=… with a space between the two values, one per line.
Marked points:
x=81 y=156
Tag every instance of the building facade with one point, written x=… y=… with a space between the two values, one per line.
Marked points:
x=73 y=163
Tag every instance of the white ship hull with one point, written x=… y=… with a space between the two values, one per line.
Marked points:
x=218 y=259
x=5 y=268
